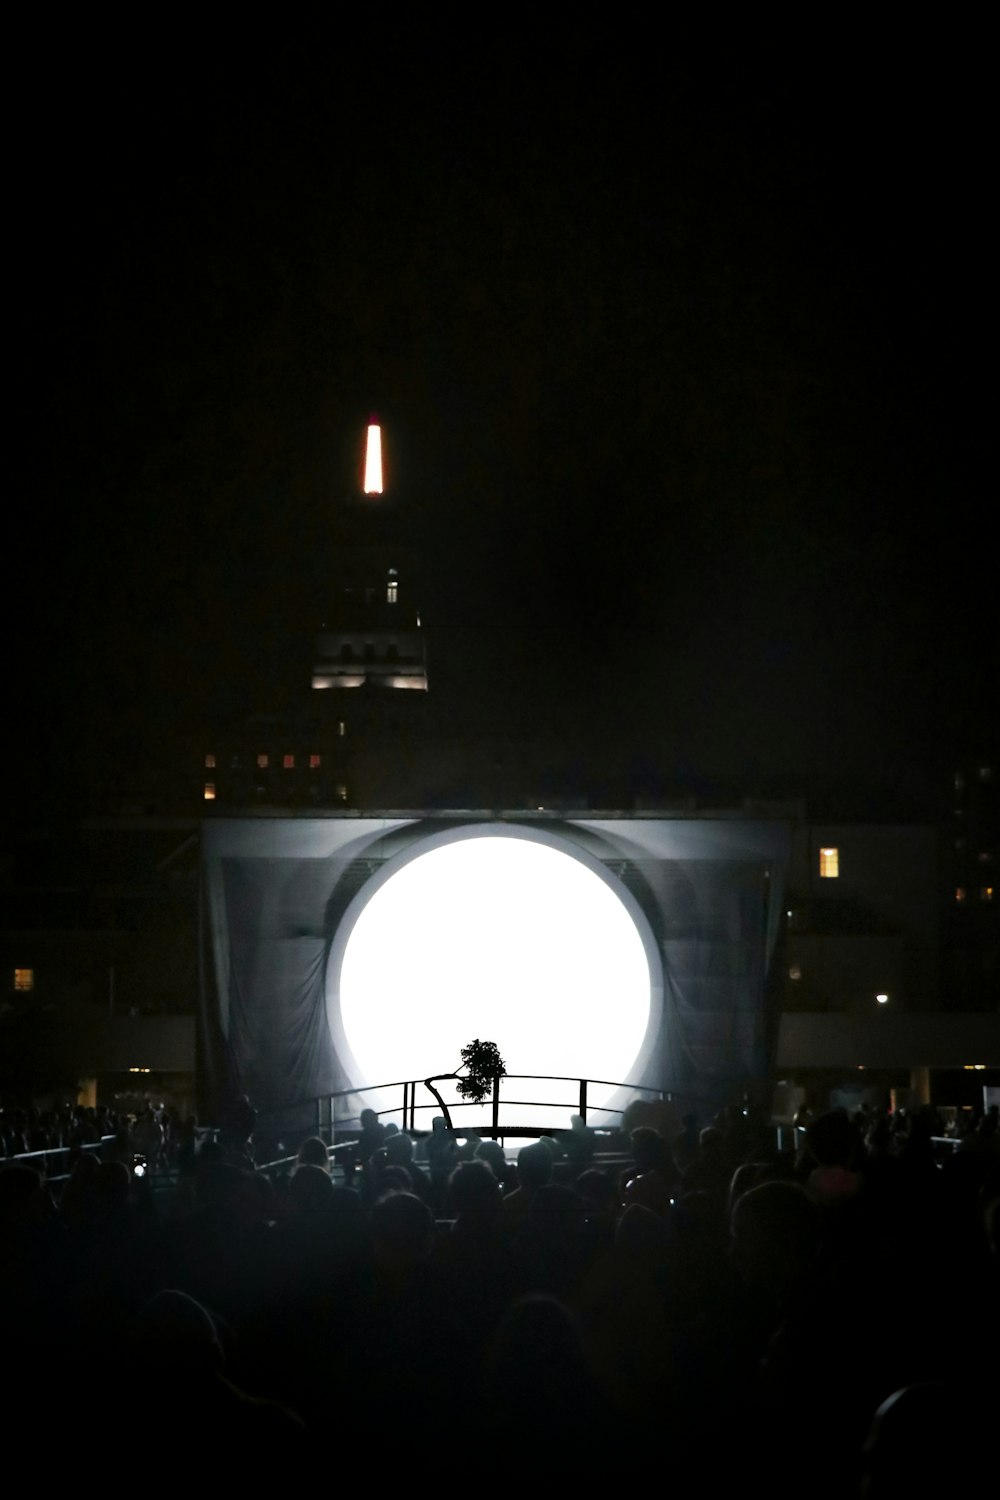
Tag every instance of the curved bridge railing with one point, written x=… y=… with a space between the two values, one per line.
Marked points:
x=335 y=1117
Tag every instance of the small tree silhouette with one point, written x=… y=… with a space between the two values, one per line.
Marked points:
x=482 y=1063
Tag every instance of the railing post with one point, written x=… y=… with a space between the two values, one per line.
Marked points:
x=583 y=1100
x=496 y=1106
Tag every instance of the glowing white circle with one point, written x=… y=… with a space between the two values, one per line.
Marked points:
x=503 y=939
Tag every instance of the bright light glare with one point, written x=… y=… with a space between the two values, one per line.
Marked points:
x=507 y=940
x=373 y=460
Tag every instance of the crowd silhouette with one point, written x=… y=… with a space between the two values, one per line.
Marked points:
x=708 y=1306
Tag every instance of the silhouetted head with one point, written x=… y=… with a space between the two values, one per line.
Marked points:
x=651 y=1189
x=556 y=1211
x=648 y=1148
x=491 y=1152
x=111 y=1186
x=75 y=1204
x=749 y=1174
x=538 y=1339
x=597 y=1189
x=310 y=1190
x=399 y=1149
x=775 y=1236
x=402 y=1230
x=540 y=1387
x=474 y=1190
x=390 y=1178
x=348 y=1212
x=534 y=1165
x=641 y=1233
x=313 y=1151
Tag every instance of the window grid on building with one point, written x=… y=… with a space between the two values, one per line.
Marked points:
x=829 y=864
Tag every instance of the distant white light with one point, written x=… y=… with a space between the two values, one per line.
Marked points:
x=882 y=999
x=507 y=939
x=373 y=460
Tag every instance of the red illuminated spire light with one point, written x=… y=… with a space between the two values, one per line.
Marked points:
x=373 y=458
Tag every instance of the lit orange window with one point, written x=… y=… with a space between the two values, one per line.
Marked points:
x=24 y=979
x=288 y=761
x=314 y=761
x=986 y=894
x=263 y=761
x=209 y=762
x=209 y=792
x=960 y=894
x=829 y=863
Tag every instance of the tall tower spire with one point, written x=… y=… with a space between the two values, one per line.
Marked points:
x=373 y=457
x=373 y=638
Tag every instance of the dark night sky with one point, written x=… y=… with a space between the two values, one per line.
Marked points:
x=680 y=359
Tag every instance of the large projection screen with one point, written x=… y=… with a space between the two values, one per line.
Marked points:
x=346 y=952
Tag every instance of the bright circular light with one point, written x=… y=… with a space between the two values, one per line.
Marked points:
x=505 y=939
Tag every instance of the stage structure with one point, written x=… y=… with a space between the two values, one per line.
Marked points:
x=354 y=950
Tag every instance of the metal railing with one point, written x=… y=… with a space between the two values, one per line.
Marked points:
x=326 y=1117
x=56 y=1162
